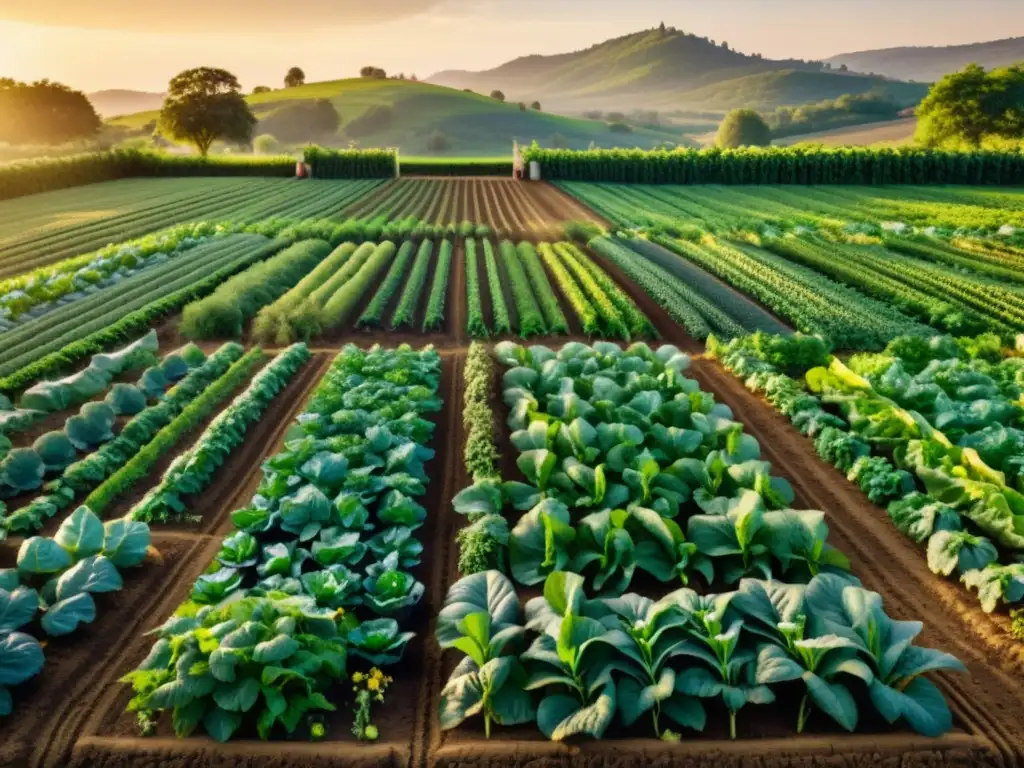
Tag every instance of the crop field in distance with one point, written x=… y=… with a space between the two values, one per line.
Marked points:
x=581 y=473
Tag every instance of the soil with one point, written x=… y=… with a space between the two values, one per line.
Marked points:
x=513 y=208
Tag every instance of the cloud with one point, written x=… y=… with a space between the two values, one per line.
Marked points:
x=227 y=16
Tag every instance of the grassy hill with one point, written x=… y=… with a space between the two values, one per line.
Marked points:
x=667 y=69
x=406 y=113
x=890 y=133
x=927 y=64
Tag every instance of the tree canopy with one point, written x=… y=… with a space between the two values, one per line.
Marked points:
x=973 y=105
x=375 y=72
x=204 y=105
x=44 y=113
x=294 y=78
x=743 y=128
x=498 y=95
x=261 y=89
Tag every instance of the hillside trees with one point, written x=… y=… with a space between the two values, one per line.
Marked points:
x=972 y=105
x=374 y=72
x=260 y=89
x=743 y=128
x=44 y=113
x=204 y=105
x=294 y=78
x=535 y=106
x=498 y=95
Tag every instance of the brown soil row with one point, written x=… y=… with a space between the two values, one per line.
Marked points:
x=510 y=207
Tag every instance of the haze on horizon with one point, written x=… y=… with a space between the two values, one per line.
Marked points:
x=140 y=44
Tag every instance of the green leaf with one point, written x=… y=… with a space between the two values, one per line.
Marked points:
x=40 y=555
x=237 y=697
x=833 y=699
x=62 y=618
x=125 y=542
x=275 y=650
x=94 y=574
x=221 y=724
x=81 y=534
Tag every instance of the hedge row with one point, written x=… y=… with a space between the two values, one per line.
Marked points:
x=781 y=165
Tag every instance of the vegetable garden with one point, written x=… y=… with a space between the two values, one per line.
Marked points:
x=473 y=472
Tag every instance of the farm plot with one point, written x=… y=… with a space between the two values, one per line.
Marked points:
x=506 y=206
x=46 y=228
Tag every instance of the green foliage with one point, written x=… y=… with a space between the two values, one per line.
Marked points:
x=192 y=471
x=82 y=342
x=44 y=113
x=190 y=417
x=337 y=309
x=352 y=163
x=529 y=317
x=260 y=661
x=373 y=315
x=553 y=314
x=500 y=318
x=204 y=105
x=743 y=128
x=585 y=312
x=972 y=105
x=224 y=313
x=582 y=232
x=433 y=320
x=408 y=303
x=781 y=165
x=475 y=325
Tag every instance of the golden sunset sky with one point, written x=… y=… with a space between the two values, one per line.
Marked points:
x=141 y=44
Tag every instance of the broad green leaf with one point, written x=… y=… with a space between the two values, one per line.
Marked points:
x=81 y=534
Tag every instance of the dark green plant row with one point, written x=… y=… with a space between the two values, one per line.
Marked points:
x=86 y=474
x=352 y=163
x=44 y=175
x=192 y=472
x=139 y=320
x=190 y=417
x=781 y=165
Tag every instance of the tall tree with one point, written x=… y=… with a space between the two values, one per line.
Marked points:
x=204 y=105
x=743 y=128
x=294 y=78
x=972 y=105
x=44 y=113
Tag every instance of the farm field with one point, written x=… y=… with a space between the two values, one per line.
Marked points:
x=577 y=496
x=504 y=205
x=888 y=133
x=47 y=228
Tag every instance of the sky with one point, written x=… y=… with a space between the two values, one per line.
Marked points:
x=140 y=44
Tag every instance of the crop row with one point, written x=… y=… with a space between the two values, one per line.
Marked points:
x=629 y=467
x=192 y=471
x=318 y=567
x=947 y=412
x=803 y=297
x=90 y=472
x=781 y=165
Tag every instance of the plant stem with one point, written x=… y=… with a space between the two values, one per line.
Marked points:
x=732 y=725
x=487 y=725
x=654 y=717
x=805 y=712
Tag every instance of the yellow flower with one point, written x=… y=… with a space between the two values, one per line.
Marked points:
x=357 y=677
x=373 y=684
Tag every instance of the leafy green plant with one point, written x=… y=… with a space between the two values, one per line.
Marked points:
x=480 y=619
x=267 y=662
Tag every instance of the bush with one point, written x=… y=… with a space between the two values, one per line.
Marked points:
x=743 y=128
x=266 y=144
x=224 y=313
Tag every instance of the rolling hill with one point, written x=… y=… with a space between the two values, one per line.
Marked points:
x=405 y=114
x=890 y=133
x=927 y=64
x=668 y=69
